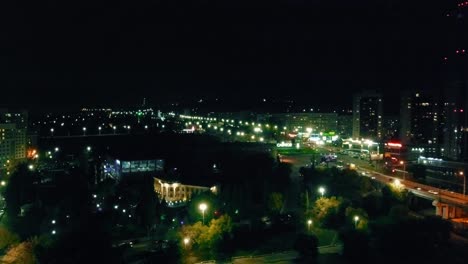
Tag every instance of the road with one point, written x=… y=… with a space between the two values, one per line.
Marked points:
x=421 y=190
x=292 y=199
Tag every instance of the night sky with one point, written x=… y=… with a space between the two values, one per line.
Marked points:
x=111 y=53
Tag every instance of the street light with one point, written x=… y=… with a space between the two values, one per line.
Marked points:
x=99 y=128
x=203 y=207
x=356 y=219
x=464 y=181
x=84 y=131
x=115 y=128
x=52 y=132
x=404 y=168
x=321 y=190
x=309 y=223
x=186 y=241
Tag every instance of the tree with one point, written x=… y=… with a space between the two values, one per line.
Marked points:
x=148 y=205
x=7 y=238
x=361 y=214
x=399 y=212
x=306 y=245
x=324 y=207
x=275 y=202
x=355 y=245
x=20 y=189
x=418 y=171
x=414 y=240
x=207 y=238
x=22 y=253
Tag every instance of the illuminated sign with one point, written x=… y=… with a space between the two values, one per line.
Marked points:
x=391 y=144
x=284 y=145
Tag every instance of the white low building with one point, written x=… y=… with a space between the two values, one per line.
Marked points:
x=177 y=194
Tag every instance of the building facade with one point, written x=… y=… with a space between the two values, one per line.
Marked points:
x=345 y=126
x=367 y=115
x=177 y=194
x=13 y=135
x=319 y=122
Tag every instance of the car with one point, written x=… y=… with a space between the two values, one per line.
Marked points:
x=373 y=178
x=418 y=188
x=433 y=192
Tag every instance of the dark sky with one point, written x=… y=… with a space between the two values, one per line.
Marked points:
x=72 y=53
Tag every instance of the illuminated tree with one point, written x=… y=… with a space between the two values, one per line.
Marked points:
x=207 y=238
x=7 y=238
x=324 y=207
x=275 y=202
x=22 y=253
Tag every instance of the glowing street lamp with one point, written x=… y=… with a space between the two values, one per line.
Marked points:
x=186 y=241
x=461 y=173
x=84 y=131
x=397 y=183
x=356 y=219
x=404 y=168
x=203 y=207
x=309 y=223
x=321 y=190
x=52 y=132
x=99 y=128
x=115 y=128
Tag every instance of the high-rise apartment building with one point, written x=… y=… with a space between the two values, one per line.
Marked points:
x=421 y=122
x=13 y=129
x=455 y=84
x=367 y=115
x=345 y=125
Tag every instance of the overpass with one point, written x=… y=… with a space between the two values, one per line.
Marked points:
x=448 y=204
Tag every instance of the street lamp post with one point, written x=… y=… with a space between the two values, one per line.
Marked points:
x=309 y=223
x=404 y=169
x=84 y=131
x=321 y=191
x=186 y=241
x=115 y=128
x=99 y=128
x=52 y=132
x=356 y=219
x=203 y=207
x=464 y=181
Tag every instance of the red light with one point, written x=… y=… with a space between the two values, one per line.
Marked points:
x=454 y=110
x=461 y=110
x=392 y=144
x=463 y=51
x=457 y=51
x=445 y=58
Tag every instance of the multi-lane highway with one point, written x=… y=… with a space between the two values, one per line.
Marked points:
x=421 y=190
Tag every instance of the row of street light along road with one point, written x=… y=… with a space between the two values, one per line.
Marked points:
x=417 y=188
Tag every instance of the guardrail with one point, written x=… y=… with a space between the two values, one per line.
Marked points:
x=449 y=195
